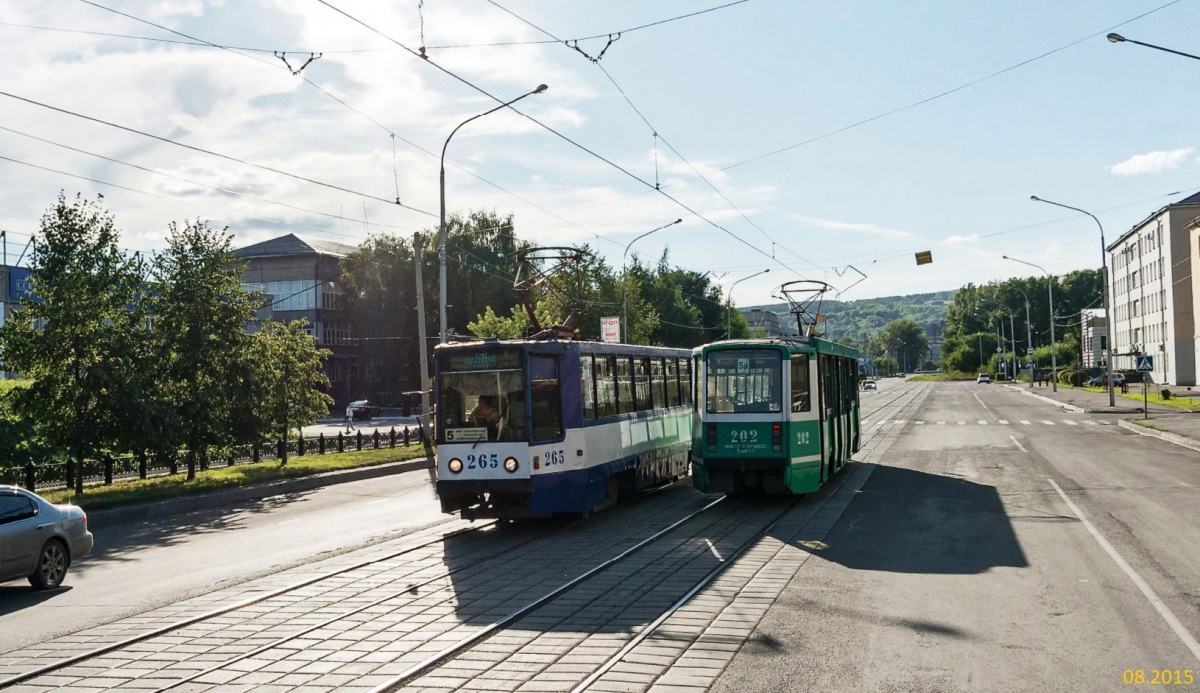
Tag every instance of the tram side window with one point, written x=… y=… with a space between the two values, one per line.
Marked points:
x=641 y=382
x=826 y=375
x=624 y=385
x=658 y=383
x=800 y=388
x=587 y=391
x=606 y=386
x=673 y=382
x=545 y=410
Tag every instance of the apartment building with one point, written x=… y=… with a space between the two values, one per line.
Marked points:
x=1153 y=302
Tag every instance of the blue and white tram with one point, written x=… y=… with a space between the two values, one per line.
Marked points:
x=533 y=428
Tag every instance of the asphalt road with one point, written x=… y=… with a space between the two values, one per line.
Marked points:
x=141 y=565
x=961 y=567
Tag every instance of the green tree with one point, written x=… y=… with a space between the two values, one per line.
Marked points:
x=905 y=341
x=200 y=316
x=72 y=339
x=287 y=377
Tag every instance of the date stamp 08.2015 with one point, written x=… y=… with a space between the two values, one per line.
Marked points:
x=1158 y=677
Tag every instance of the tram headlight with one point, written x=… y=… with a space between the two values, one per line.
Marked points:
x=454 y=465
x=510 y=465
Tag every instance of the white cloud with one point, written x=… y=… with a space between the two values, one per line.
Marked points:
x=1152 y=162
x=855 y=227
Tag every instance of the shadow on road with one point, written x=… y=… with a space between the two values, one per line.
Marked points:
x=906 y=521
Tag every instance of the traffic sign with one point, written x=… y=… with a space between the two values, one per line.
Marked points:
x=1145 y=364
x=1029 y=364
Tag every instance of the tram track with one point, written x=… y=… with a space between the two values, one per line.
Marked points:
x=408 y=584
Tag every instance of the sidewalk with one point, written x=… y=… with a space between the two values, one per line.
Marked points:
x=1172 y=425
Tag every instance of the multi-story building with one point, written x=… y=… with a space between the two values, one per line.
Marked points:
x=1153 y=308
x=1093 y=338
x=300 y=279
x=759 y=319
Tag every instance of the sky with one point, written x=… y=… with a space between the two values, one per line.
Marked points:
x=820 y=141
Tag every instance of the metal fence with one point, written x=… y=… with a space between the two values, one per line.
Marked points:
x=60 y=474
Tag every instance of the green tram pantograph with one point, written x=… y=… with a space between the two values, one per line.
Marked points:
x=773 y=416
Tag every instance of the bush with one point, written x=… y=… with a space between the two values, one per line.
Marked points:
x=1164 y=393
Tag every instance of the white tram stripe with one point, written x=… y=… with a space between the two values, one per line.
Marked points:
x=1158 y=604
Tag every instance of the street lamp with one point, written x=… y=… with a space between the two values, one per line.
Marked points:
x=1053 y=346
x=625 y=281
x=1117 y=38
x=729 y=302
x=1108 y=315
x=442 y=225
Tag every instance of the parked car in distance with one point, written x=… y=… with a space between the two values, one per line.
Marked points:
x=1098 y=381
x=39 y=540
x=363 y=410
x=900 y=376
x=983 y=378
x=870 y=385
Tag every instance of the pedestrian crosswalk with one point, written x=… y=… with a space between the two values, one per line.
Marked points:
x=982 y=422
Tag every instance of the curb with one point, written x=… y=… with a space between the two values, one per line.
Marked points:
x=1175 y=438
x=206 y=501
x=1064 y=405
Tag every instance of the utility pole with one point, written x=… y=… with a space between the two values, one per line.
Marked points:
x=424 y=347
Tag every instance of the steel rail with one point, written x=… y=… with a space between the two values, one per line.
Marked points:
x=433 y=660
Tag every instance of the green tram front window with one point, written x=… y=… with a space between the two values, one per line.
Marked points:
x=744 y=381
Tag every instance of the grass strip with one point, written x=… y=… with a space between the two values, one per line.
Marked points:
x=133 y=491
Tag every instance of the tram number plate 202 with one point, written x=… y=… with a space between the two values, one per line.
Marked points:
x=742 y=435
x=803 y=437
x=483 y=461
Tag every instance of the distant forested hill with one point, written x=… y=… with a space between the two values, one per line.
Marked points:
x=855 y=321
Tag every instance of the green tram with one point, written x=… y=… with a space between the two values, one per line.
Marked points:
x=773 y=416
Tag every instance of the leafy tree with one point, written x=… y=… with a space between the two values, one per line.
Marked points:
x=492 y=326
x=70 y=341
x=481 y=264
x=905 y=341
x=287 y=373
x=200 y=317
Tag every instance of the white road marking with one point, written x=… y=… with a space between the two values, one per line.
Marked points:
x=382 y=500
x=985 y=407
x=1003 y=422
x=714 y=550
x=962 y=423
x=1069 y=422
x=1162 y=608
x=1018 y=443
x=919 y=423
x=1025 y=422
x=1089 y=423
x=941 y=423
x=1048 y=423
x=981 y=422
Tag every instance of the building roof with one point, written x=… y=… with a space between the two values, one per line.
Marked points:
x=292 y=244
x=1192 y=200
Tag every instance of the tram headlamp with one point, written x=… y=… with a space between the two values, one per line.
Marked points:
x=454 y=465
x=510 y=465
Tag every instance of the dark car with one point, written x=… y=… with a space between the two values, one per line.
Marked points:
x=363 y=410
x=39 y=540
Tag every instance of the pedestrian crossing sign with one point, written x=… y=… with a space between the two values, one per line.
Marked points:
x=1145 y=364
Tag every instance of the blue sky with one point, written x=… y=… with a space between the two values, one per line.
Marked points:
x=815 y=126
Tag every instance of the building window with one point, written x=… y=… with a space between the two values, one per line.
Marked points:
x=331 y=296
x=286 y=295
x=1135 y=308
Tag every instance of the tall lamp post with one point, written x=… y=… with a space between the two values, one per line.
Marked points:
x=1117 y=38
x=625 y=282
x=729 y=303
x=442 y=225
x=1053 y=345
x=1108 y=315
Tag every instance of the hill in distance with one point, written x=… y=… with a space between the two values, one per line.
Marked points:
x=855 y=321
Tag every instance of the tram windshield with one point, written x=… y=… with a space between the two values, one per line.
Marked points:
x=482 y=396
x=744 y=381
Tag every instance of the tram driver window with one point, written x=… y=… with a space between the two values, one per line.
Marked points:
x=800 y=389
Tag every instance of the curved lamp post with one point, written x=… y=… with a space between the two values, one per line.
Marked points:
x=442 y=223
x=625 y=282
x=1117 y=38
x=1108 y=315
x=729 y=302
x=1053 y=345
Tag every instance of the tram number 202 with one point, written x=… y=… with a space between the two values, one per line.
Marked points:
x=742 y=435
